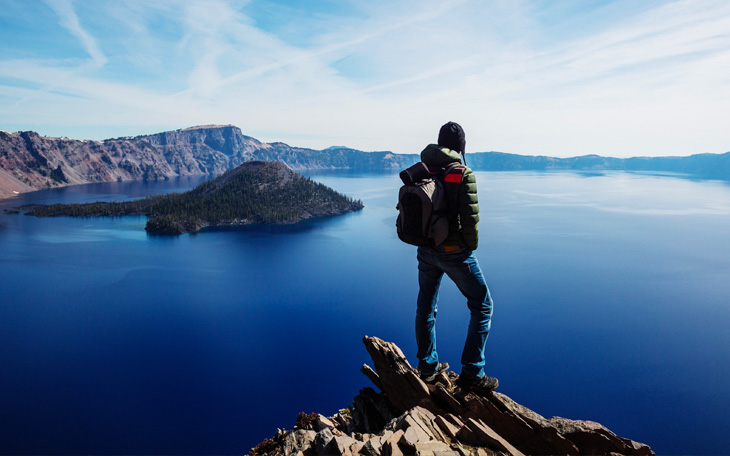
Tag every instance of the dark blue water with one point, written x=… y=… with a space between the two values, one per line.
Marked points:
x=611 y=304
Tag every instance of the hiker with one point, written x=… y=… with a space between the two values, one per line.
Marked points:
x=454 y=257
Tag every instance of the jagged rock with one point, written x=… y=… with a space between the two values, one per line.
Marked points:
x=410 y=417
x=322 y=440
x=462 y=450
x=340 y=445
x=374 y=445
x=356 y=447
x=321 y=423
x=344 y=421
x=400 y=383
x=533 y=437
x=412 y=436
x=434 y=448
x=542 y=427
x=595 y=438
x=421 y=423
x=449 y=424
x=477 y=433
x=483 y=452
x=372 y=375
x=370 y=449
x=391 y=446
x=445 y=399
x=297 y=440
x=403 y=387
x=372 y=411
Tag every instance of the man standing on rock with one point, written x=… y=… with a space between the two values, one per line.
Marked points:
x=454 y=257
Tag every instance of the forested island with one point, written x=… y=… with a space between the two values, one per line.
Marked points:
x=255 y=192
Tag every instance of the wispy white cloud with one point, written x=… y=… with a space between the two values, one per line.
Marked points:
x=649 y=83
x=70 y=21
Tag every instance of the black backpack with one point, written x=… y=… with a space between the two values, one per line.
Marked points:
x=424 y=208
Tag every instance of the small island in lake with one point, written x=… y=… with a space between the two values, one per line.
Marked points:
x=255 y=192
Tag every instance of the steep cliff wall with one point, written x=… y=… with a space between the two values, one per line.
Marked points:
x=29 y=161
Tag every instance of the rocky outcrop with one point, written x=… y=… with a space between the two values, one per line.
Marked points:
x=410 y=417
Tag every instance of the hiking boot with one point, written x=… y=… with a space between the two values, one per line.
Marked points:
x=477 y=385
x=430 y=378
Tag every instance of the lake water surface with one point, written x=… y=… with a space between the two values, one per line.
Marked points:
x=611 y=299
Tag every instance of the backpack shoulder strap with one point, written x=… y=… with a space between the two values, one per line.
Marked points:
x=452 y=171
x=452 y=175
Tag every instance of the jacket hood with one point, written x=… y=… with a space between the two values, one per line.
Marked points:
x=435 y=155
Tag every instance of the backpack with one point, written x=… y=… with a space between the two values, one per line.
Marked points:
x=424 y=208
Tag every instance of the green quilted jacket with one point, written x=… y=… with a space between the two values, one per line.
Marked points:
x=464 y=229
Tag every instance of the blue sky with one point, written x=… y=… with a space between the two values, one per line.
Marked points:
x=561 y=78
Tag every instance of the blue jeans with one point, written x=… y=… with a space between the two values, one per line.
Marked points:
x=461 y=267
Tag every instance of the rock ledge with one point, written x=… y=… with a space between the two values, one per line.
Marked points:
x=410 y=417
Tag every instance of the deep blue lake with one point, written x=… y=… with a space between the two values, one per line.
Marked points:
x=611 y=296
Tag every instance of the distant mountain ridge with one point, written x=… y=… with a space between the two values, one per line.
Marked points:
x=29 y=161
x=715 y=166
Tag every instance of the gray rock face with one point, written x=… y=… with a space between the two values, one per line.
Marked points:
x=297 y=440
x=410 y=417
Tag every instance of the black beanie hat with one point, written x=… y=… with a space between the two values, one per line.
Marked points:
x=452 y=136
